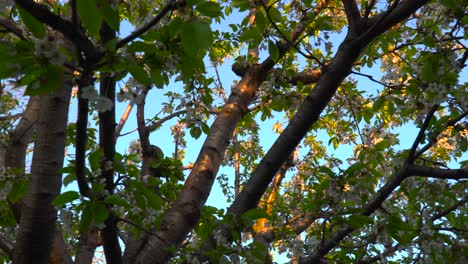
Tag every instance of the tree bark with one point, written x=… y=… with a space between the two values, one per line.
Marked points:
x=38 y=217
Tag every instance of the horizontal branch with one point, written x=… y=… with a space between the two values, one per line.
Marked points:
x=305 y=77
x=448 y=174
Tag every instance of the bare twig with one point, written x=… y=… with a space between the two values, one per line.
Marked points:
x=422 y=131
x=370 y=77
x=354 y=115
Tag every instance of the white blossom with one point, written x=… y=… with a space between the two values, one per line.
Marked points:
x=103 y=104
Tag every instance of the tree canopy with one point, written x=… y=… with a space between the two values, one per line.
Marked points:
x=365 y=103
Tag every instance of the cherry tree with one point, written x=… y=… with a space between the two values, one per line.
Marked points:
x=368 y=100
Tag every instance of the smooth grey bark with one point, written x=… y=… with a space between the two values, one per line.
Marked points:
x=38 y=217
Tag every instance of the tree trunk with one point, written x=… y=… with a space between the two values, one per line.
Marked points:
x=38 y=217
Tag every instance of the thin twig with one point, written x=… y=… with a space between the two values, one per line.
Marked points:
x=354 y=115
x=370 y=77
x=422 y=130
x=433 y=139
x=290 y=43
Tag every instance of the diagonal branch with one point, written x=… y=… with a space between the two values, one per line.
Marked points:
x=449 y=210
x=11 y=27
x=396 y=13
x=181 y=218
x=172 y=5
x=41 y=12
x=155 y=125
x=433 y=138
x=352 y=14
x=422 y=131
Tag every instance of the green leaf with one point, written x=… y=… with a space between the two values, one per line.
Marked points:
x=430 y=68
x=157 y=77
x=382 y=145
x=69 y=179
x=260 y=20
x=7 y=219
x=65 y=198
x=116 y=200
x=210 y=9
x=35 y=26
x=273 y=50
x=89 y=15
x=196 y=38
x=358 y=221
x=195 y=132
x=275 y=14
x=95 y=159
x=18 y=191
x=378 y=104
x=111 y=15
x=355 y=167
x=255 y=213
x=50 y=79
x=139 y=74
x=99 y=213
x=241 y=4
x=86 y=216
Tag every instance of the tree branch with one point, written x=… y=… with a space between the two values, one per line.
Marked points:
x=352 y=14
x=154 y=125
x=9 y=117
x=81 y=136
x=422 y=131
x=7 y=246
x=448 y=210
x=172 y=5
x=433 y=138
x=11 y=27
x=397 y=12
x=41 y=12
x=452 y=174
x=185 y=212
